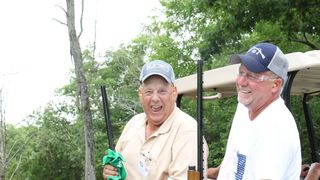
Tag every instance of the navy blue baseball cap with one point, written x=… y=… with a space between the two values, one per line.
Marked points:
x=264 y=57
x=157 y=67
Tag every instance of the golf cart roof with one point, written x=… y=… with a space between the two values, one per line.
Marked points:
x=222 y=80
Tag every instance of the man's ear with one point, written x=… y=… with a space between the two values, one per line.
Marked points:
x=277 y=84
x=175 y=92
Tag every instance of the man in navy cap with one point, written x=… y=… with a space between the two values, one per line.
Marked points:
x=264 y=141
x=161 y=142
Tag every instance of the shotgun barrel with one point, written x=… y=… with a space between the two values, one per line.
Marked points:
x=107 y=117
x=200 y=115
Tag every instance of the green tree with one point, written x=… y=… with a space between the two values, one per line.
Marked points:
x=54 y=149
x=219 y=24
x=207 y=29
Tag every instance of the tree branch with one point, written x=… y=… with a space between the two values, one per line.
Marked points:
x=20 y=148
x=306 y=42
x=81 y=19
x=64 y=10
x=17 y=167
x=60 y=7
x=95 y=38
x=60 y=21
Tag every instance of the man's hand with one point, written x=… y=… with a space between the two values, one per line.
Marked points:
x=108 y=171
x=213 y=172
x=304 y=170
x=314 y=172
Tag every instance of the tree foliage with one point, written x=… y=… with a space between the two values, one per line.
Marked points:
x=53 y=145
x=207 y=29
x=218 y=24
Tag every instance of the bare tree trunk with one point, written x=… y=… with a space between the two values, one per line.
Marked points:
x=76 y=54
x=2 y=140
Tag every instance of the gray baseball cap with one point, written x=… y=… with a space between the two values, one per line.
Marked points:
x=264 y=57
x=157 y=67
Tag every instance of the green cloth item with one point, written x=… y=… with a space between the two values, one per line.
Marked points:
x=116 y=160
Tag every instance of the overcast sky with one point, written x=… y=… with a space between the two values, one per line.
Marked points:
x=35 y=57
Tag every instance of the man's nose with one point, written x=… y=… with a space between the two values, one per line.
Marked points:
x=155 y=96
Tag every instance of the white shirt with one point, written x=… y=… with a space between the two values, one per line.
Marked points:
x=267 y=147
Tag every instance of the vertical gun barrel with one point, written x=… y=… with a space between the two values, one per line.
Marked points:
x=200 y=115
x=107 y=117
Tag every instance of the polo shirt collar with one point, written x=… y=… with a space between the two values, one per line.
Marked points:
x=167 y=125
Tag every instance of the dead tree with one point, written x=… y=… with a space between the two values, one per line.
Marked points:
x=82 y=87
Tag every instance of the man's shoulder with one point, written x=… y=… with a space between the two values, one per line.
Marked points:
x=184 y=119
x=139 y=116
x=183 y=115
x=137 y=119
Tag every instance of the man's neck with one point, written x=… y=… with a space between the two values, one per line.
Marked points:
x=253 y=113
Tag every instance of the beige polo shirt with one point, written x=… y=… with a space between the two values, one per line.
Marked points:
x=166 y=154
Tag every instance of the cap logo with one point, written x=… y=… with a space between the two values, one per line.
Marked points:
x=257 y=51
x=157 y=66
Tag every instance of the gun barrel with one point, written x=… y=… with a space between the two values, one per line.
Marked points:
x=200 y=115
x=107 y=117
